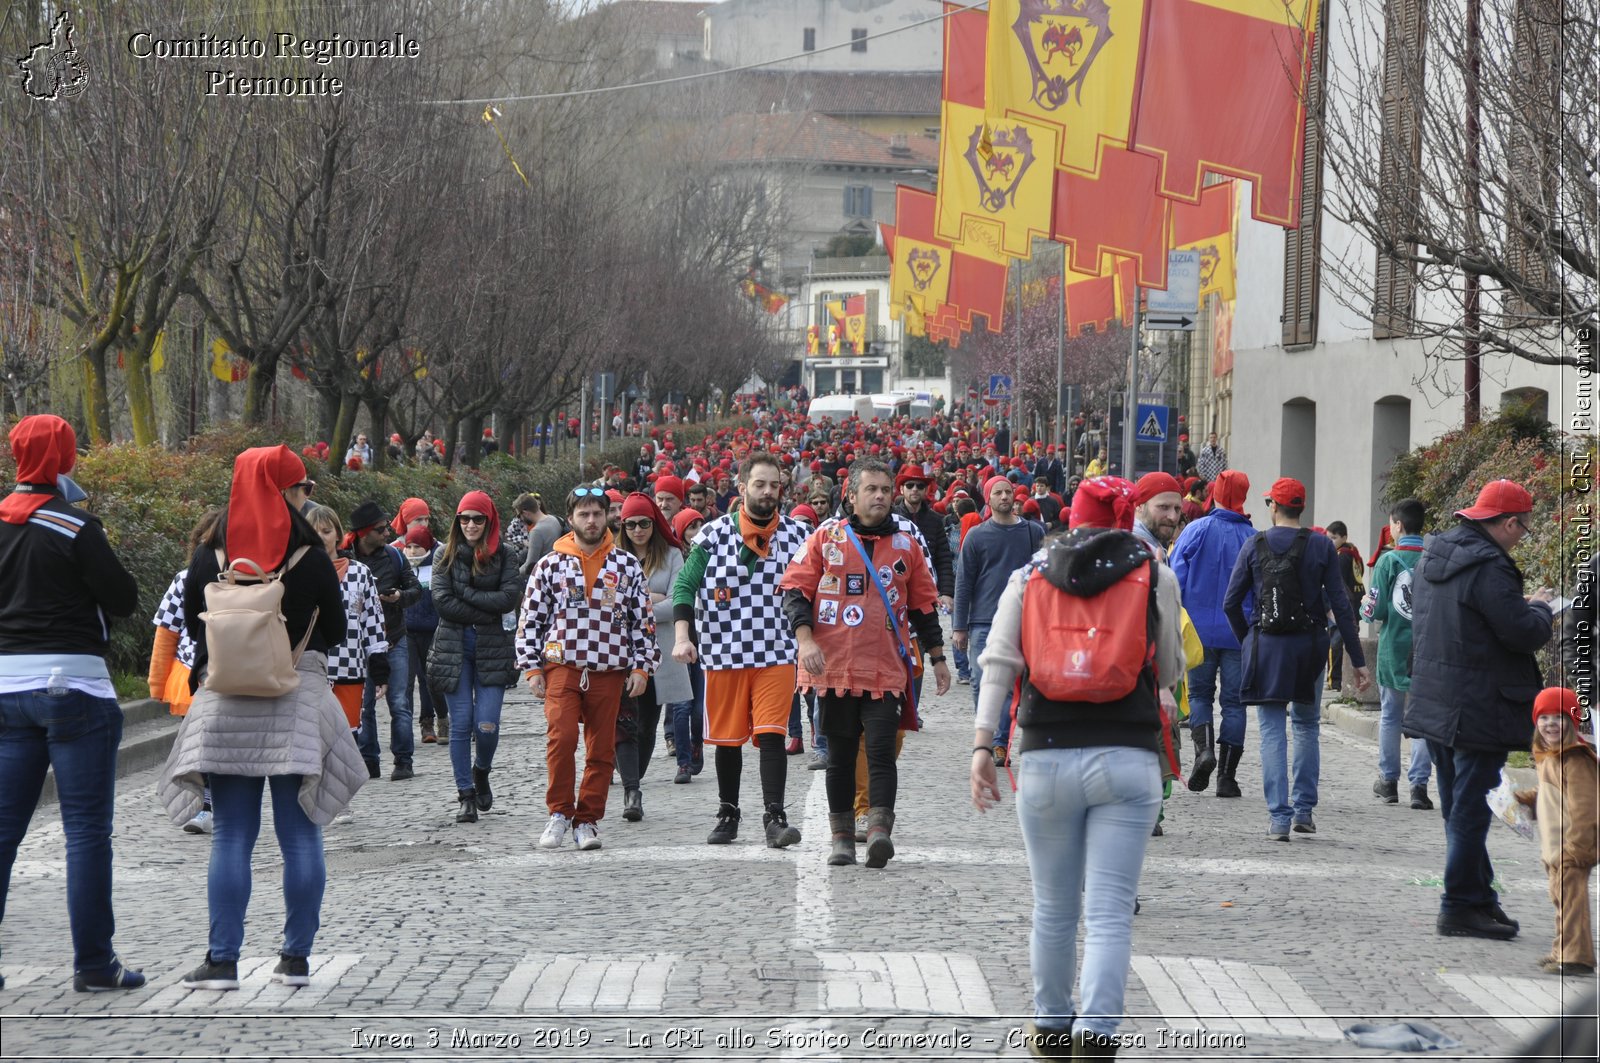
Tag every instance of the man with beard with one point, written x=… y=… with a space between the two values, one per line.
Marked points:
x=991 y=552
x=1159 y=498
x=853 y=594
x=728 y=591
x=588 y=637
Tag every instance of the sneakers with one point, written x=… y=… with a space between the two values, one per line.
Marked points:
x=1277 y=832
x=480 y=786
x=727 y=827
x=1474 y=923
x=1305 y=824
x=999 y=756
x=818 y=761
x=861 y=828
x=200 y=824
x=632 y=806
x=1498 y=914
x=1047 y=1043
x=1156 y=831
x=213 y=975
x=779 y=834
x=683 y=776
x=1387 y=790
x=964 y=680
x=343 y=817
x=587 y=835
x=112 y=978
x=697 y=760
x=402 y=772
x=672 y=745
x=555 y=832
x=292 y=970
x=428 y=737
x=1419 y=798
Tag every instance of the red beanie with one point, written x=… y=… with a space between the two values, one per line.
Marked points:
x=1558 y=700
x=420 y=536
x=1030 y=509
x=642 y=505
x=682 y=519
x=670 y=485
x=1155 y=483
x=1230 y=490
x=1103 y=502
x=804 y=512
x=989 y=485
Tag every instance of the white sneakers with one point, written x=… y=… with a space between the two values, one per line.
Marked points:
x=587 y=835
x=200 y=824
x=555 y=832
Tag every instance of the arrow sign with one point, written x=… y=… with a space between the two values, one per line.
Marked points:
x=1169 y=322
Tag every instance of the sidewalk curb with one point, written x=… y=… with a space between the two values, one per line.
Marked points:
x=1363 y=723
x=148 y=731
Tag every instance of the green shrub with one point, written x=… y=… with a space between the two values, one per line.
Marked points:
x=151 y=498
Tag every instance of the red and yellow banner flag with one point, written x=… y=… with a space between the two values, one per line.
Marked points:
x=919 y=263
x=765 y=297
x=813 y=340
x=855 y=323
x=1095 y=301
x=1222 y=89
x=1071 y=64
x=835 y=327
x=992 y=169
x=1208 y=227
x=1118 y=213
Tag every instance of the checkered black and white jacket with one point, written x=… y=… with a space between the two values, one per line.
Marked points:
x=169 y=615
x=739 y=617
x=347 y=662
x=609 y=627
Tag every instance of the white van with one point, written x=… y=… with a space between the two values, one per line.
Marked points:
x=839 y=408
x=888 y=407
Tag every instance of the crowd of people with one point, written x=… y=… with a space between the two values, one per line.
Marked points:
x=786 y=588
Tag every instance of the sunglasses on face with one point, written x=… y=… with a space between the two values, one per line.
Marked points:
x=305 y=485
x=473 y=518
x=639 y=524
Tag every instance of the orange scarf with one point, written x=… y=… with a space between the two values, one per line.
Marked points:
x=757 y=537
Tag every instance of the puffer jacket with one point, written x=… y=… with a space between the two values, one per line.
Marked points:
x=303 y=732
x=1473 y=639
x=464 y=597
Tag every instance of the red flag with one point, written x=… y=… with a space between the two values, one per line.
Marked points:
x=1223 y=91
x=1118 y=213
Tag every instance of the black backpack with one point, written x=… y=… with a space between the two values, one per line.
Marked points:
x=1280 y=602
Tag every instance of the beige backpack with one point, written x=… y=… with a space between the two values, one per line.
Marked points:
x=247 y=637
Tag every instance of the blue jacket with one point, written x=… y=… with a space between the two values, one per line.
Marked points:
x=1203 y=559
x=422 y=616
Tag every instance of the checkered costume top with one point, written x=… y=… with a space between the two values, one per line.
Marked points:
x=347 y=662
x=739 y=617
x=609 y=627
x=169 y=615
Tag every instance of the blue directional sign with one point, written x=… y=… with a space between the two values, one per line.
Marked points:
x=1000 y=387
x=1151 y=424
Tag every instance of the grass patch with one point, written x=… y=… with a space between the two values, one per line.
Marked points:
x=130 y=687
x=1519 y=759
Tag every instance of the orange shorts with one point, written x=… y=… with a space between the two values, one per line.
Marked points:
x=741 y=702
x=349 y=695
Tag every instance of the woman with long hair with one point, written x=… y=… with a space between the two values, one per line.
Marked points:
x=647 y=535
x=297 y=743
x=477 y=580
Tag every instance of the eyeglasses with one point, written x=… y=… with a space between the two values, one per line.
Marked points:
x=473 y=518
x=307 y=486
x=588 y=492
x=639 y=525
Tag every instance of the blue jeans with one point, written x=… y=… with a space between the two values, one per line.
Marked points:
x=236 y=808
x=1203 y=694
x=688 y=718
x=977 y=639
x=1272 y=721
x=1086 y=817
x=1392 y=704
x=963 y=665
x=474 y=713
x=1465 y=778
x=401 y=741
x=78 y=734
x=421 y=642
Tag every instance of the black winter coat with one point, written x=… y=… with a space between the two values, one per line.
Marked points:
x=464 y=597
x=1473 y=671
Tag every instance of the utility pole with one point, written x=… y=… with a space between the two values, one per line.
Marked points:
x=583 y=422
x=1016 y=380
x=1061 y=347
x=1130 y=402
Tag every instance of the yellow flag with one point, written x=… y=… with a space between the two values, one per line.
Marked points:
x=1217 y=273
x=158 y=352
x=1071 y=64
x=921 y=274
x=1012 y=187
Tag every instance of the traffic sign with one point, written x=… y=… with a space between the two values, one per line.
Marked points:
x=1151 y=424
x=1169 y=322
x=1182 y=297
x=1000 y=387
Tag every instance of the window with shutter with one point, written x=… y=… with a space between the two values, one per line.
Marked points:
x=1399 y=158
x=1302 y=246
x=858 y=40
x=1531 y=193
x=808 y=39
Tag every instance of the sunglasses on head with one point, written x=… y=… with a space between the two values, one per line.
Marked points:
x=638 y=524
x=588 y=492
x=473 y=518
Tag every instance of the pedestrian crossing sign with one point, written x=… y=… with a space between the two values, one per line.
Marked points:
x=1152 y=422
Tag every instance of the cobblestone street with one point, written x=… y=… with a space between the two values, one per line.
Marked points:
x=446 y=941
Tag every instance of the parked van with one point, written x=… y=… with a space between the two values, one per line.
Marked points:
x=840 y=408
x=888 y=407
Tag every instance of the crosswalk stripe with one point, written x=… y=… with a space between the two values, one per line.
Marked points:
x=1499 y=995
x=571 y=983
x=21 y=976
x=1225 y=996
x=256 y=989
x=938 y=982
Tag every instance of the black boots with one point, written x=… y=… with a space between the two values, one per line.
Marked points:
x=632 y=806
x=480 y=782
x=469 y=806
x=1386 y=790
x=727 y=828
x=842 y=826
x=1228 y=763
x=880 y=847
x=1205 y=758
x=779 y=834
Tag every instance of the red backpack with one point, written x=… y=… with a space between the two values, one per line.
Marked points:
x=1089 y=649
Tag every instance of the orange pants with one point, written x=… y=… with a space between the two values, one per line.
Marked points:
x=861 y=769
x=741 y=702
x=566 y=705
x=349 y=698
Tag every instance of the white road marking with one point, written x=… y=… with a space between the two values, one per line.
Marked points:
x=1225 y=996
x=813 y=886
x=937 y=982
x=566 y=982
x=1502 y=998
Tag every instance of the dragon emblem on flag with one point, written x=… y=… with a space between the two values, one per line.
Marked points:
x=1210 y=258
x=999 y=171
x=1061 y=39
x=924 y=264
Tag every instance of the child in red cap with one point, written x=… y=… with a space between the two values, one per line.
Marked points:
x=1565 y=807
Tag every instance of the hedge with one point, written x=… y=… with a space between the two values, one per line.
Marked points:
x=150 y=499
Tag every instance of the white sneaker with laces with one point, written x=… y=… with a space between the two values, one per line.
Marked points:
x=587 y=835
x=345 y=816
x=200 y=824
x=555 y=832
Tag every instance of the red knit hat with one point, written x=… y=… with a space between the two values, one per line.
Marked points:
x=639 y=504
x=1103 y=502
x=805 y=512
x=1152 y=484
x=1230 y=489
x=670 y=485
x=1558 y=700
x=682 y=519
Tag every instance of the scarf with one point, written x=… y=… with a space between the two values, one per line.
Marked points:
x=258 y=516
x=45 y=447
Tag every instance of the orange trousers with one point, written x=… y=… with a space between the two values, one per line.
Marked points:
x=566 y=705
